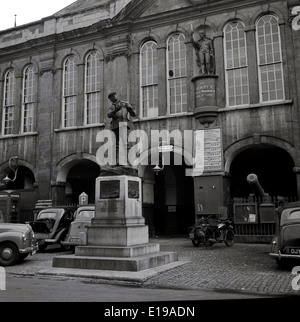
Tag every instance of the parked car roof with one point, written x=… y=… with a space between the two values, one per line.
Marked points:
x=290 y=214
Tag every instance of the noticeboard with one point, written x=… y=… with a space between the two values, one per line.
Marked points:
x=245 y=213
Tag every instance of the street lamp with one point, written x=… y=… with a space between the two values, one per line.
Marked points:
x=13 y=161
x=162 y=149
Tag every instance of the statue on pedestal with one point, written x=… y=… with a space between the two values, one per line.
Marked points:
x=120 y=113
x=205 y=53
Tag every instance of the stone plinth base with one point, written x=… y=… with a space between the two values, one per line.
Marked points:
x=134 y=264
x=117 y=239
x=97 y=251
x=117 y=236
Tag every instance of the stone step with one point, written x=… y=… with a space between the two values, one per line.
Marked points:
x=134 y=264
x=113 y=251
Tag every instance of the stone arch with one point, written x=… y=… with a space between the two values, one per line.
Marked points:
x=66 y=164
x=233 y=150
x=272 y=10
x=95 y=48
x=273 y=160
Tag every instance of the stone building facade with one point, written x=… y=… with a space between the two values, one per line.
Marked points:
x=56 y=74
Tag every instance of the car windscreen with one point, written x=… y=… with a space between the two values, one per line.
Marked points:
x=85 y=214
x=47 y=215
x=290 y=215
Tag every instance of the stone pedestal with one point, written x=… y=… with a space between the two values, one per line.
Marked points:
x=118 y=237
x=206 y=109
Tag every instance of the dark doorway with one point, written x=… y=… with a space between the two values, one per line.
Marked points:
x=272 y=165
x=82 y=178
x=174 y=201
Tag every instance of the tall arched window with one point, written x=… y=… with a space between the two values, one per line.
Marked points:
x=236 y=64
x=9 y=103
x=149 y=79
x=269 y=59
x=69 y=92
x=177 y=74
x=92 y=89
x=29 y=90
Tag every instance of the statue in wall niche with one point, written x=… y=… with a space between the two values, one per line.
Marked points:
x=205 y=53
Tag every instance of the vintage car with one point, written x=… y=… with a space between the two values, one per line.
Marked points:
x=51 y=226
x=285 y=246
x=78 y=228
x=17 y=241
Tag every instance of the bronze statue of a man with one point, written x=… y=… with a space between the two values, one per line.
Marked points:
x=205 y=53
x=120 y=113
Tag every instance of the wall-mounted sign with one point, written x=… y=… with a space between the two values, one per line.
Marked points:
x=213 y=151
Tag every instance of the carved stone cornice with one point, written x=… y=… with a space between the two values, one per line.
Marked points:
x=47 y=63
x=117 y=46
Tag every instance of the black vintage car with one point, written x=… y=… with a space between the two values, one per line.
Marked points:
x=52 y=225
x=285 y=245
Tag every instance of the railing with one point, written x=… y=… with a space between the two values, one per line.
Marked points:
x=255 y=230
x=255 y=216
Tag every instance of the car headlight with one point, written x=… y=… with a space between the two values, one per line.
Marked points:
x=24 y=238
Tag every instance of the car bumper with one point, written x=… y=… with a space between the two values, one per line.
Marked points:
x=30 y=250
x=282 y=256
x=67 y=243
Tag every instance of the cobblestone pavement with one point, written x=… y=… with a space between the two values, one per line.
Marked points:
x=244 y=268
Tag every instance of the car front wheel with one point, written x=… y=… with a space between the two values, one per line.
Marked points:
x=9 y=254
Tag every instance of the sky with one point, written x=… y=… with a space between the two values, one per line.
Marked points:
x=28 y=11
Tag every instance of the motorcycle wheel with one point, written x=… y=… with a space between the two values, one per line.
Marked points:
x=196 y=242
x=207 y=238
x=229 y=238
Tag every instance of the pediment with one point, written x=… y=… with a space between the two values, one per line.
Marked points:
x=141 y=8
x=161 y=6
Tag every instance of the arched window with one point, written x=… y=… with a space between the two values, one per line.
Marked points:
x=177 y=74
x=29 y=90
x=269 y=59
x=149 y=79
x=69 y=92
x=236 y=64
x=92 y=89
x=9 y=103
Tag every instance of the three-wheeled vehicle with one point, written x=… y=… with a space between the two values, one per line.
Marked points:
x=51 y=226
x=77 y=235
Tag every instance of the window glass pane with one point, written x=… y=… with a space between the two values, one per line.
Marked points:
x=149 y=79
x=29 y=90
x=92 y=88
x=69 y=92
x=270 y=59
x=9 y=102
x=177 y=72
x=236 y=64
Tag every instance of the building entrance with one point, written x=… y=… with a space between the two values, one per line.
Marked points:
x=82 y=178
x=174 y=209
x=273 y=166
x=253 y=206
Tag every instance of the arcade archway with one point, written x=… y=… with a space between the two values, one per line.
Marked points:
x=273 y=166
x=82 y=178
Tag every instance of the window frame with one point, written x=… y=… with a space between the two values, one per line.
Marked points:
x=71 y=93
x=96 y=73
x=239 y=68
x=149 y=85
x=31 y=103
x=181 y=57
x=269 y=64
x=9 y=92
